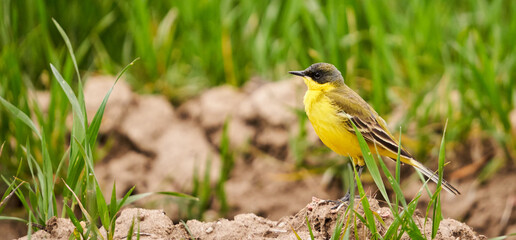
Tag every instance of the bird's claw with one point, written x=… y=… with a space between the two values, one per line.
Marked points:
x=339 y=203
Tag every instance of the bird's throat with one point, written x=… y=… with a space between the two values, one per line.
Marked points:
x=313 y=85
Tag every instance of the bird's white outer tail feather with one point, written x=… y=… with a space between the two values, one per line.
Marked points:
x=433 y=176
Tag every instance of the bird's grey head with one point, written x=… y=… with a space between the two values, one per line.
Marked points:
x=321 y=73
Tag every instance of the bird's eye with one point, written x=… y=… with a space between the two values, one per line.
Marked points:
x=317 y=75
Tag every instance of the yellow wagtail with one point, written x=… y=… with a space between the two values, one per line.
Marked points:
x=331 y=106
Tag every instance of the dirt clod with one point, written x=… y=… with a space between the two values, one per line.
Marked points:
x=119 y=101
x=56 y=228
x=154 y=224
x=145 y=121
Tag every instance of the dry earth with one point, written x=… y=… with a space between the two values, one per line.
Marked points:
x=154 y=224
x=157 y=147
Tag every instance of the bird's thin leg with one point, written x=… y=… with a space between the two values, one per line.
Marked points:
x=346 y=197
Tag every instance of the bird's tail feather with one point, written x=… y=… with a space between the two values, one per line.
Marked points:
x=433 y=176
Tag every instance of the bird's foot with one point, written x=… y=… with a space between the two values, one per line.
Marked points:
x=339 y=203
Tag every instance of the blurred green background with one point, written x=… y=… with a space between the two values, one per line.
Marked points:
x=433 y=59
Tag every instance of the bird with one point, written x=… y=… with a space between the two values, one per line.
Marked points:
x=332 y=108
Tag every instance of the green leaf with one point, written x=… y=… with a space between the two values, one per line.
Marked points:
x=393 y=228
x=133 y=198
x=74 y=220
x=17 y=113
x=398 y=171
x=29 y=229
x=102 y=207
x=85 y=156
x=365 y=205
x=95 y=123
x=295 y=233
x=76 y=107
x=187 y=230
x=112 y=205
x=309 y=228
x=503 y=237
x=379 y=218
x=337 y=233
x=47 y=184
x=84 y=211
x=436 y=198
x=412 y=229
x=13 y=219
x=122 y=201
x=181 y=195
x=362 y=219
x=11 y=190
x=68 y=46
x=371 y=164
x=130 y=232
x=62 y=162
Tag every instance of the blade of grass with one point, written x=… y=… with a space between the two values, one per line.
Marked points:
x=130 y=232
x=295 y=233
x=398 y=168
x=370 y=223
x=178 y=194
x=9 y=193
x=412 y=229
x=371 y=164
x=84 y=211
x=337 y=233
x=74 y=219
x=29 y=229
x=13 y=219
x=68 y=46
x=122 y=201
x=76 y=107
x=17 y=113
x=309 y=228
x=133 y=198
x=112 y=204
x=102 y=207
x=94 y=127
x=436 y=198
x=187 y=230
x=47 y=186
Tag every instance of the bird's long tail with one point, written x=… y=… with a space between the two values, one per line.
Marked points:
x=433 y=176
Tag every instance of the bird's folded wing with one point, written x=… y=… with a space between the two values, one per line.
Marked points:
x=352 y=108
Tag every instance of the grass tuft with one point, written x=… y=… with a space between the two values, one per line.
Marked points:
x=39 y=195
x=403 y=221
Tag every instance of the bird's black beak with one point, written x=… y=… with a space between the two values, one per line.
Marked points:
x=298 y=73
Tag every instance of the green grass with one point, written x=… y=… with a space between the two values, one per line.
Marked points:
x=438 y=59
x=403 y=221
x=39 y=195
x=202 y=186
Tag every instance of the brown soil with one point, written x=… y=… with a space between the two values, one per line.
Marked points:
x=157 y=147
x=154 y=224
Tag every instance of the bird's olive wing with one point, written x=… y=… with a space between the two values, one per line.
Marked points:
x=351 y=107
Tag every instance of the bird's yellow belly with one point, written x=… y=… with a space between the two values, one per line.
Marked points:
x=328 y=126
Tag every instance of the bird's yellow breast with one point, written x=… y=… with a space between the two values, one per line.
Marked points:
x=328 y=125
